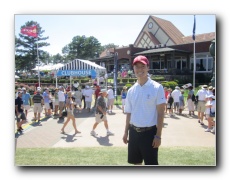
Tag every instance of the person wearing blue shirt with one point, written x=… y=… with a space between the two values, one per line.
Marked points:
x=26 y=101
x=47 y=102
x=123 y=97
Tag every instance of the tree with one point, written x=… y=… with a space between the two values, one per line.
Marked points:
x=108 y=46
x=26 y=48
x=82 y=47
x=57 y=58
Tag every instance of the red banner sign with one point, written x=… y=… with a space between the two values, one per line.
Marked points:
x=30 y=31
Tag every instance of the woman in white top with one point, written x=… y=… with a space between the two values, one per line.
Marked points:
x=210 y=107
x=70 y=115
x=110 y=98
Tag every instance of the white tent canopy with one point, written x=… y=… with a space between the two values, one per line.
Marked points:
x=80 y=64
x=83 y=65
x=48 y=67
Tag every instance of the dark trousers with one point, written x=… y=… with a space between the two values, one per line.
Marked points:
x=140 y=147
x=83 y=98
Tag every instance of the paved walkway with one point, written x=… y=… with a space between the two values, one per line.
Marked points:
x=181 y=130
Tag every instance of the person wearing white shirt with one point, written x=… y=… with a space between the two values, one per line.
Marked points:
x=110 y=98
x=210 y=107
x=101 y=81
x=78 y=96
x=144 y=108
x=61 y=100
x=176 y=94
x=19 y=90
x=209 y=91
x=88 y=93
x=202 y=93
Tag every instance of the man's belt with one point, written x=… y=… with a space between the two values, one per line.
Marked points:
x=141 y=129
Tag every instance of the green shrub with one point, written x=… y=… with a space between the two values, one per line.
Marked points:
x=169 y=84
x=132 y=80
x=125 y=80
x=158 y=78
x=128 y=85
x=62 y=81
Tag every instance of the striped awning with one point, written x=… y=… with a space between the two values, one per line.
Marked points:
x=80 y=64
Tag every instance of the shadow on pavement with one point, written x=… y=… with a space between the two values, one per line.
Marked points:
x=104 y=141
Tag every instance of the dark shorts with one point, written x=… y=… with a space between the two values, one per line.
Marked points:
x=176 y=104
x=169 y=105
x=22 y=117
x=140 y=147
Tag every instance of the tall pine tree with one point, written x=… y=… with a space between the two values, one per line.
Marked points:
x=26 y=48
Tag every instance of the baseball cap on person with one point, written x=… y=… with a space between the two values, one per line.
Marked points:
x=141 y=59
x=23 y=89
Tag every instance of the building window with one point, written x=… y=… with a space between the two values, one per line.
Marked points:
x=203 y=64
x=180 y=64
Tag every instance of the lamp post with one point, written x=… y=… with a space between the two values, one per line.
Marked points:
x=115 y=74
x=212 y=51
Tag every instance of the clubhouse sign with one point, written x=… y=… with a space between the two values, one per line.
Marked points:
x=87 y=72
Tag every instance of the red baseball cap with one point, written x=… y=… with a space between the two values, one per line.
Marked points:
x=141 y=59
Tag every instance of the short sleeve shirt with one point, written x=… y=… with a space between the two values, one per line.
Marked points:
x=110 y=94
x=202 y=94
x=37 y=98
x=141 y=102
x=46 y=97
x=19 y=102
x=191 y=92
x=26 y=98
x=101 y=102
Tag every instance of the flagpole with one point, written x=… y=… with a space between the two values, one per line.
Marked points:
x=194 y=52
x=194 y=64
x=38 y=66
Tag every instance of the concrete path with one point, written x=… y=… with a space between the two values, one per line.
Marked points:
x=181 y=130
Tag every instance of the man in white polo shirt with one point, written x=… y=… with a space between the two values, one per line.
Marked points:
x=144 y=105
x=202 y=93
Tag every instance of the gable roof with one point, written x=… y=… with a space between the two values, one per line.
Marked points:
x=200 y=37
x=174 y=34
x=169 y=29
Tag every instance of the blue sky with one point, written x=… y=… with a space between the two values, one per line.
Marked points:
x=117 y=29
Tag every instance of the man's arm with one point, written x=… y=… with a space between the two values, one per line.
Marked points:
x=160 y=121
x=125 y=137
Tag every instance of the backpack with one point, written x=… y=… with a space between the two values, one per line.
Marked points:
x=170 y=99
x=193 y=98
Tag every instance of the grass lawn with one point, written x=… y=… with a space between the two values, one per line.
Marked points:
x=111 y=156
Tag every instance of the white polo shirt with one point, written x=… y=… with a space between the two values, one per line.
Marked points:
x=61 y=96
x=110 y=94
x=201 y=94
x=141 y=102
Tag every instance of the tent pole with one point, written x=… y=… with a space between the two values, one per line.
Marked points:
x=56 y=76
x=70 y=83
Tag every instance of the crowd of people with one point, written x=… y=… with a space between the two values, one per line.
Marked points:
x=203 y=102
x=62 y=103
